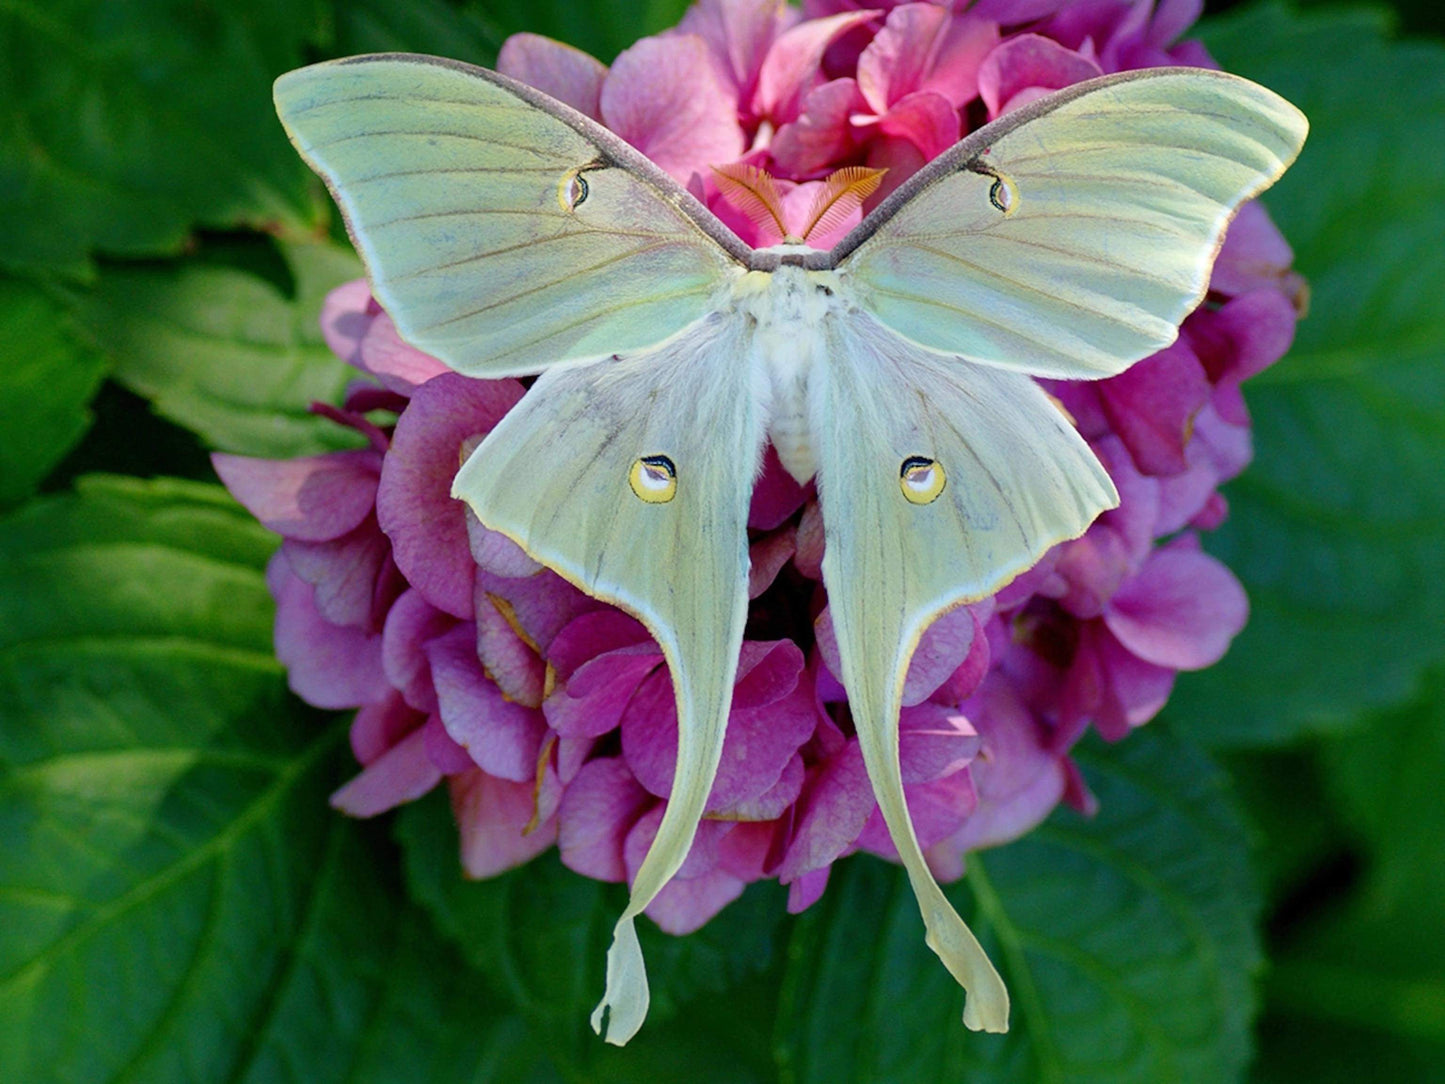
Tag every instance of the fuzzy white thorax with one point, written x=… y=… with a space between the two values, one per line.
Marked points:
x=786 y=310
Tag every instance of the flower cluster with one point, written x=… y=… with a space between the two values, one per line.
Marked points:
x=550 y=716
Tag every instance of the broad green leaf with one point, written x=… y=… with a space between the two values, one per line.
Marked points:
x=177 y=901
x=128 y=123
x=540 y=933
x=1338 y=526
x=224 y=353
x=435 y=27
x=47 y=379
x=1127 y=942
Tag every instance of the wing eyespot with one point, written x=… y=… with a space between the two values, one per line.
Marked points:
x=921 y=479
x=653 y=479
x=1003 y=194
x=572 y=190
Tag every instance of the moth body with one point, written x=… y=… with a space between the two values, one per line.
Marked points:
x=786 y=312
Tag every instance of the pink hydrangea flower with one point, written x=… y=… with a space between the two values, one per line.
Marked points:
x=550 y=717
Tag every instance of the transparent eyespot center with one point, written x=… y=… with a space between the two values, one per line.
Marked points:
x=654 y=479
x=1003 y=195
x=921 y=479
x=571 y=190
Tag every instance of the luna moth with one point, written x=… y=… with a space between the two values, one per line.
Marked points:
x=507 y=234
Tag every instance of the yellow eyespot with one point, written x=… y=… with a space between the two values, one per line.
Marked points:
x=654 y=479
x=1003 y=195
x=571 y=190
x=921 y=479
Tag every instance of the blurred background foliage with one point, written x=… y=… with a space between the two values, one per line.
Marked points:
x=176 y=901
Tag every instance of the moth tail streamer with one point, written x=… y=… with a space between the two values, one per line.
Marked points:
x=703 y=702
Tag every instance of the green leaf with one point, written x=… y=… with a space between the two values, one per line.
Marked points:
x=47 y=379
x=177 y=902
x=1127 y=943
x=1337 y=527
x=540 y=934
x=130 y=122
x=224 y=353
x=418 y=26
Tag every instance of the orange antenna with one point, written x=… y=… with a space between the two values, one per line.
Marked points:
x=753 y=192
x=842 y=193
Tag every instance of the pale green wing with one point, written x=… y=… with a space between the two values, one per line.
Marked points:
x=1070 y=238
x=940 y=481
x=632 y=478
x=503 y=231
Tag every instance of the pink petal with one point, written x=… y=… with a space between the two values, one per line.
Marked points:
x=495 y=552
x=344 y=572
x=599 y=808
x=400 y=368
x=739 y=32
x=934 y=742
x=925 y=119
x=428 y=529
x=937 y=809
x=766 y=559
x=410 y=625
x=1107 y=683
x=312 y=498
x=822 y=132
x=380 y=724
x=402 y=774
x=1254 y=255
x=925 y=47
x=328 y=666
x=503 y=738
x=776 y=496
x=1029 y=62
x=807 y=890
x=942 y=649
x=1151 y=405
x=792 y=67
x=1180 y=611
x=567 y=74
x=836 y=803
x=492 y=816
x=450 y=757
x=345 y=315
x=667 y=98
x=1244 y=336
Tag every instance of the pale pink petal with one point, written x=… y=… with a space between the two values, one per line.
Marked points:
x=495 y=552
x=503 y=738
x=402 y=774
x=400 y=368
x=493 y=816
x=567 y=74
x=344 y=572
x=1029 y=62
x=667 y=98
x=314 y=498
x=427 y=528
x=345 y=315
x=1180 y=611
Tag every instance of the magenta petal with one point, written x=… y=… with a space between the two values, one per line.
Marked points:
x=599 y=807
x=1243 y=337
x=1110 y=685
x=739 y=32
x=767 y=557
x=593 y=701
x=400 y=367
x=934 y=741
x=428 y=529
x=509 y=660
x=941 y=650
x=1151 y=405
x=493 y=816
x=686 y=904
x=1017 y=778
x=567 y=74
x=495 y=552
x=380 y=724
x=835 y=805
x=807 y=890
x=1180 y=611
x=937 y=809
x=792 y=67
x=1254 y=255
x=503 y=738
x=328 y=666
x=667 y=98
x=313 y=498
x=925 y=119
x=1029 y=62
x=450 y=757
x=822 y=132
x=402 y=774
x=345 y=315
x=411 y=623
x=776 y=495
x=925 y=47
